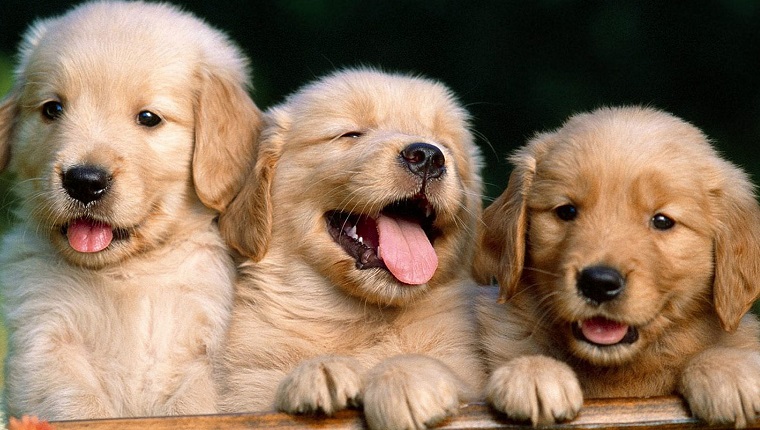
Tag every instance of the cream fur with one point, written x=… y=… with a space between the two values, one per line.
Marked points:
x=310 y=331
x=130 y=330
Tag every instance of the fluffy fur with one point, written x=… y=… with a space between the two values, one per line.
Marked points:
x=154 y=104
x=628 y=254
x=311 y=331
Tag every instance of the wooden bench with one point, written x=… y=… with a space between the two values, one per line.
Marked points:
x=657 y=412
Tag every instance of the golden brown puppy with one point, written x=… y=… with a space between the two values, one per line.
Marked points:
x=125 y=118
x=628 y=254
x=359 y=221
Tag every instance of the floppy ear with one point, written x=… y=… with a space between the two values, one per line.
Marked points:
x=737 y=249
x=227 y=125
x=9 y=107
x=246 y=224
x=7 y=120
x=502 y=240
x=502 y=237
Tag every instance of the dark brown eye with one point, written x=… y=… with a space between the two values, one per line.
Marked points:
x=352 y=134
x=52 y=110
x=566 y=212
x=662 y=222
x=148 y=119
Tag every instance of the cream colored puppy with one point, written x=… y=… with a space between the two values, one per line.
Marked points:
x=124 y=120
x=359 y=221
x=628 y=253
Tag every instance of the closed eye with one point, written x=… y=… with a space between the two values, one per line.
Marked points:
x=352 y=134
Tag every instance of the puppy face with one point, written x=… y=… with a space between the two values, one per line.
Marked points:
x=376 y=184
x=624 y=216
x=105 y=127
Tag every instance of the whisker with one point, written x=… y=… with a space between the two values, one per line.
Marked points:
x=542 y=271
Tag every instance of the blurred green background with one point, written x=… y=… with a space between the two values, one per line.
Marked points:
x=518 y=66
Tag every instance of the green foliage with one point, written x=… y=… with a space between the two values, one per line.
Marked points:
x=6 y=80
x=6 y=74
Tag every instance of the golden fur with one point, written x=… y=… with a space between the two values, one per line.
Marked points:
x=129 y=330
x=687 y=285
x=313 y=333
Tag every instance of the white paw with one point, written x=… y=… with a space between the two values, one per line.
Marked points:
x=722 y=385
x=410 y=392
x=535 y=388
x=321 y=385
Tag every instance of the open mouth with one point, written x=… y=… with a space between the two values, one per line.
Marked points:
x=601 y=331
x=88 y=235
x=400 y=239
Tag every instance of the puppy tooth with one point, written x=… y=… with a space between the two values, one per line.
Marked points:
x=351 y=232
x=361 y=240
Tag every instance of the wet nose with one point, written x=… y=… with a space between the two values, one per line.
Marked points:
x=85 y=183
x=600 y=283
x=424 y=160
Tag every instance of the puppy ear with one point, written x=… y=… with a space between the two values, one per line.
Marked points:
x=737 y=249
x=10 y=105
x=227 y=125
x=7 y=120
x=246 y=224
x=502 y=244
x=502 y=238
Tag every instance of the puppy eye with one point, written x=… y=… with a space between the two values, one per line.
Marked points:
x=566 y=212
x=148 y=118
x=662 y=222
x=352 y=134
x=52 y=110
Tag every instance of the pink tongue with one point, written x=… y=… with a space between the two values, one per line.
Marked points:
x=86 y=235
x=603 y=331
x=406 y=250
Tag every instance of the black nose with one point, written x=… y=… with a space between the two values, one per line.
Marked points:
x=424 y=160
x=600 y=283
x=85 y=183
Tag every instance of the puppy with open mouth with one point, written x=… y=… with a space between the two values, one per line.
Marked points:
x=627 y=252
x=359 y=224
x=127 y=129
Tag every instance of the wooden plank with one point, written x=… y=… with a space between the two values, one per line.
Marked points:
x=656 y=412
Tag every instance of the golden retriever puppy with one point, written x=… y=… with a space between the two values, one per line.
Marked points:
x=125 y=118
x=627 y=252
x=359 y=221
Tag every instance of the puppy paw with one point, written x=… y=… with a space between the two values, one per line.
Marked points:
x=411 y=392
x=322 y=385
x=722 y=385
x=535 y=388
